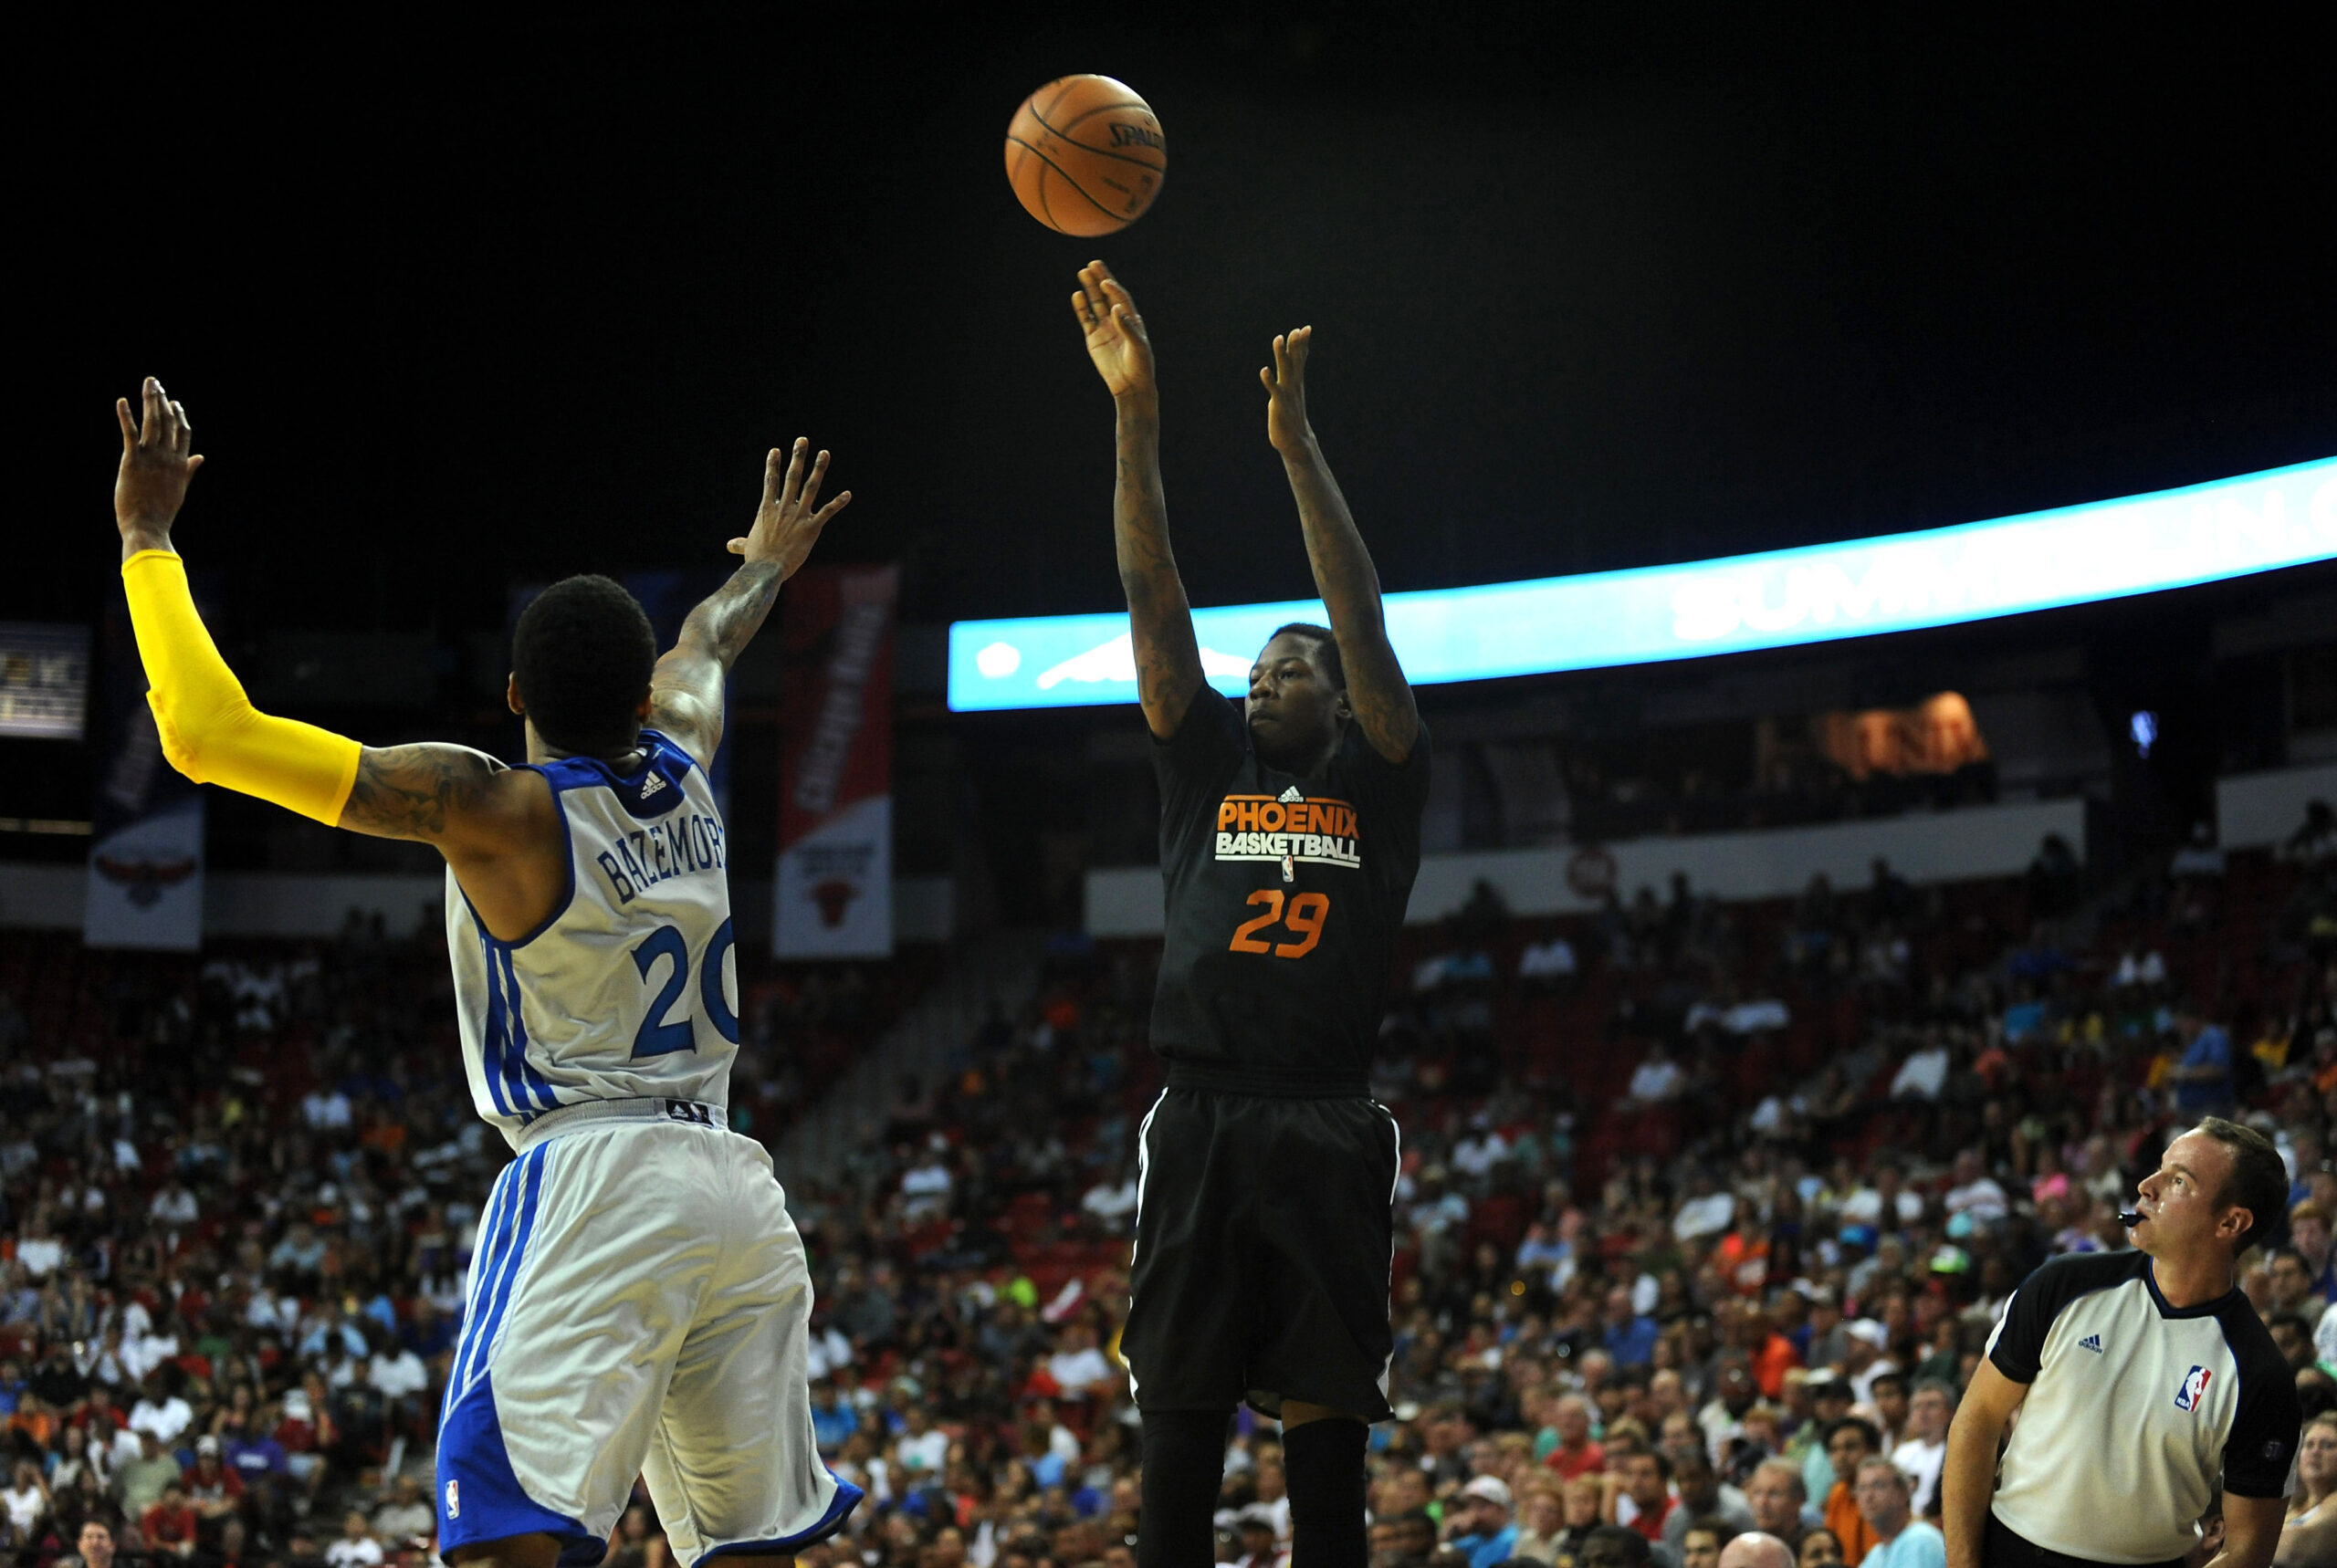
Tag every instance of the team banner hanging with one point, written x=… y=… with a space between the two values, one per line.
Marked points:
x=833 y=890
x=146 y=839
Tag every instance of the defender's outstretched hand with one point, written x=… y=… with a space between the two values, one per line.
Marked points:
x=158 y=458
x=785 y=527
x=1285 y=382
x=1116 y=340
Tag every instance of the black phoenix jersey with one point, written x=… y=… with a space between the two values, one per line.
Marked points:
x=2136 y=1410
x=1285 y=897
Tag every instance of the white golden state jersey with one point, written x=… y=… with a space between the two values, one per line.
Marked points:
x=629 y=990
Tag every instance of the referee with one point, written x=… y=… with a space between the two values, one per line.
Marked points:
x=1289 y=840
x=2144 y=1381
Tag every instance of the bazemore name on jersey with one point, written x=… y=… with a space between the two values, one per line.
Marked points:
x=627 y=990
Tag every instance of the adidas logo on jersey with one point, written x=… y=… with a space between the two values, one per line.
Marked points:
x=2091 y=1341
x=655 y=782
x=1287 y=796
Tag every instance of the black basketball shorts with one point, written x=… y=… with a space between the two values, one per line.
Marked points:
x=1262 y=1237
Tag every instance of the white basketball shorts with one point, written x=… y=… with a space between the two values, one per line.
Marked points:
x=639 y=1303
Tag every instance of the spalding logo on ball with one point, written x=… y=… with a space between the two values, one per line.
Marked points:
x=1086 y=155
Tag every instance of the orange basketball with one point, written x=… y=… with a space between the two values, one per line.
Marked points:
x=1086 y=155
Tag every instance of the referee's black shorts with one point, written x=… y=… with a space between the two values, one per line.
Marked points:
x=1262 y=1237
x=2003 y=1549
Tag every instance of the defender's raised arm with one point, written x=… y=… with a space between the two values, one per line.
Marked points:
x=208 y=727
x=467 y=803
x=1344 y=574
x=686 y=692
x=496 y=826
x=1161 y=619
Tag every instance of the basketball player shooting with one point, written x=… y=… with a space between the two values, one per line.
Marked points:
x=1290 y=836
x=639 y=1299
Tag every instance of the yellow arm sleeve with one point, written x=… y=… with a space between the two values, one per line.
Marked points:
x=210 y=730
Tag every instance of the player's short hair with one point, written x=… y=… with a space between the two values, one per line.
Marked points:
x=1327 y=648
x=2259 y=1182
x=583 y=655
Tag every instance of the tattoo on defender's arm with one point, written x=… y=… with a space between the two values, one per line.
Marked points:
x=405 y=791
x=729 y=617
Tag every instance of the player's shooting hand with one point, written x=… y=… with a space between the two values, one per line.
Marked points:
x=786 y=526
x=157 y=460
x=1285 y=382
x=1116 y=340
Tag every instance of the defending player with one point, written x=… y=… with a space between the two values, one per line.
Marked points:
x=1289 y=841
x=639 y=1297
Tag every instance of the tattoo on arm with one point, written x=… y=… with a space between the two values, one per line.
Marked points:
x=414 y=791
x=686 y=692
x=728 y=618
x=1349 y=584
x=1161 y=619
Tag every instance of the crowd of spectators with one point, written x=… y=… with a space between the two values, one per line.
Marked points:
x=1705 y=1214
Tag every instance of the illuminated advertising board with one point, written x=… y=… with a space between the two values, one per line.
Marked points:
x=1897 y=583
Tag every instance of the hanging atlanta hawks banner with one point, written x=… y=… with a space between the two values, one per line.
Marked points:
x=834 y=886
x=146 y=840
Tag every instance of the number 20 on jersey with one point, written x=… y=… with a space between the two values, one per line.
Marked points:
x=1303 y=913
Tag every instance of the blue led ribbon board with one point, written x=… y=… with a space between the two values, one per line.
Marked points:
x=1897 y=583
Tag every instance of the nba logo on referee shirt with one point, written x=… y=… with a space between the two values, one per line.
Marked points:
x=2195 y=1384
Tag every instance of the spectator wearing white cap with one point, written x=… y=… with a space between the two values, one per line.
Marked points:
x=1869 y=1340
x=1481 y=1528
x=215 y=1491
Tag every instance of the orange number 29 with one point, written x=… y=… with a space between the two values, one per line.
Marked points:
x=1304 y=915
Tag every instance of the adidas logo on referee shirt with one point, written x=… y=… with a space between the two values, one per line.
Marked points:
x=2091 y=1341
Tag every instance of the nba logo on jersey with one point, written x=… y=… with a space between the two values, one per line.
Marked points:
x=2194 y=1385
x=454 y=1502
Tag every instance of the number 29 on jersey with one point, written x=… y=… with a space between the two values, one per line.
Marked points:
x=1302 y=915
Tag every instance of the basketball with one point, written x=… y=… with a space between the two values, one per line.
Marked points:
x=1086 y=155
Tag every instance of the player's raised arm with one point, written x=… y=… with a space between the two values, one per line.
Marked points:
x=685 y=692
x=1161 y=619
x=446 y=795
x=1344 y=574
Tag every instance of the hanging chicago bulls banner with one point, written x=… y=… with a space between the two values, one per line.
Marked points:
x=833 y=890
x=146 y=834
